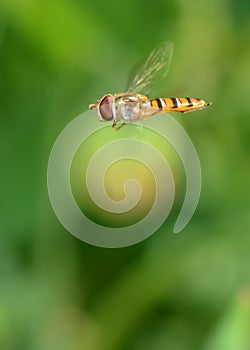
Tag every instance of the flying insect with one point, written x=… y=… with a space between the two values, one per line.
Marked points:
x=135 y=104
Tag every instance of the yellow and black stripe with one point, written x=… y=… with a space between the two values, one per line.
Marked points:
x=182 y=104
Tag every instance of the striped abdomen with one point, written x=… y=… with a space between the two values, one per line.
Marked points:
x=183 y=104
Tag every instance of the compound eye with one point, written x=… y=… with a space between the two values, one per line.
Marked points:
x=105 y=108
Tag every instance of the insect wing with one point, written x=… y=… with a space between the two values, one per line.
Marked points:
x=154 y=69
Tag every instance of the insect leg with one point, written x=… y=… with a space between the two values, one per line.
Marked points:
x=147 y=113
x=117 y=127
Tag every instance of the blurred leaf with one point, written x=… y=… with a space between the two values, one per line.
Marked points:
x=233 y=331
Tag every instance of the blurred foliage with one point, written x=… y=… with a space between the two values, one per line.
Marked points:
x=187 y=291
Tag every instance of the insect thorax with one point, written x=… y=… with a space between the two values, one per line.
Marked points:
x=128 y=105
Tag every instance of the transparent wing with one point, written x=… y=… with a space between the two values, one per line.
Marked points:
x=154 y=69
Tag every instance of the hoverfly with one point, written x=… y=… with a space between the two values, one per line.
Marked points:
x=135 y=105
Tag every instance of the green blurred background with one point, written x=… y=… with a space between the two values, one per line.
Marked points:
x=186 y=291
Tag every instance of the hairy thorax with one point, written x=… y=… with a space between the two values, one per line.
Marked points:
x=128 y=105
